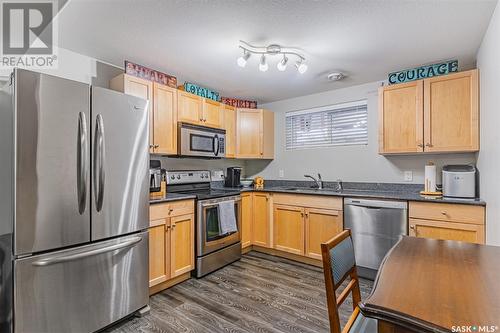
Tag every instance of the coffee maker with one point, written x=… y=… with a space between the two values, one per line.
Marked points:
x=233 y=176
x=154 y=176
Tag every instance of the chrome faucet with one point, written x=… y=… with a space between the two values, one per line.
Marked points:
x=340 y=185
x=318 y=181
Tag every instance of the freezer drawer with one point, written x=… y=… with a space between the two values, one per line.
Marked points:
x=376 y=226
x=82 y=289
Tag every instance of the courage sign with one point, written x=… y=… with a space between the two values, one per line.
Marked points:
x=423 y=72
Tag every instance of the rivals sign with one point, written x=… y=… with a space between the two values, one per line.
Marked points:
x=423 y=72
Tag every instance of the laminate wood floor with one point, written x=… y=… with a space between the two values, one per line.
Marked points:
x=259 y=293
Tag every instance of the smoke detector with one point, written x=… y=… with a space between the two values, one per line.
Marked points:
x=335 y=76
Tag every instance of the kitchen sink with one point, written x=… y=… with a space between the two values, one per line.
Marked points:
x=309 y=189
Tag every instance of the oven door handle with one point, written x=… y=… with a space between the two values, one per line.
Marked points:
x=205 y=205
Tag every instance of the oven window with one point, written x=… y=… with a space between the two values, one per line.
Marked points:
x=213 y=225
x=201 y=143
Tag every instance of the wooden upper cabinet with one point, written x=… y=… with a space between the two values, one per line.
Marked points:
x=189 y=108
x=288 y=229
x=261 y=215
x=255 y=133
x=439 y=114
x=401 y=118
x=321 y=226
x=246 y=219
x=451 y=112
x=165 y=119
x=229 y=116
x=138 y=87
x=212 y=113
x=182 y=244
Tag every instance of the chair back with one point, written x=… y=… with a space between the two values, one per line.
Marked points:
x=338 y=265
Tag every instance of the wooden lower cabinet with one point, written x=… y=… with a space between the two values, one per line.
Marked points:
x=171 y=242
x=464 y=232
x=289 y=229
x=447 y=221
x=321 y=225
x=182 y=244
x=246 y=220
x=261 y=225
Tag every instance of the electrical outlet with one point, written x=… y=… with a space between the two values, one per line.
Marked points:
x=408 y=176
x=282 y=173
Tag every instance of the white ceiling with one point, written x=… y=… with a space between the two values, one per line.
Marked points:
x=197 y=40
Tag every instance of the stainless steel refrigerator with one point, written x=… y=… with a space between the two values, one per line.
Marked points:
x=74 y=205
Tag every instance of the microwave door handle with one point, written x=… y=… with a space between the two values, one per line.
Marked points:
x=216 y=145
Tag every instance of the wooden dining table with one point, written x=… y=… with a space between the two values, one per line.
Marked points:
x=427 y=285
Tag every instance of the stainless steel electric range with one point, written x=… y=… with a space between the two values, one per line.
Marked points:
x=214 y=247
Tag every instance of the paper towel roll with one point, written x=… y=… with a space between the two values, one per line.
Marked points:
x=430 y=178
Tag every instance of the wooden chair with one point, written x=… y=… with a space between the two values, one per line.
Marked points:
x=339 y=264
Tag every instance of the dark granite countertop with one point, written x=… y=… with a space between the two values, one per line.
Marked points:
x=172 y=197
x=409 y=192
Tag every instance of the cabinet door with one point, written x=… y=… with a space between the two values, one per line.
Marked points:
x=230 y=127
x=451 y=112
x=246 y=220
x=211 y=113
x=321 y=226
x=401 y=118
x=182 y=244
x=158 y=265
x=189 y=108
x=464 y=232
x=261 y=211
x=249 y=133
x=165 y=119
x=144 y=89
x=267 y=134
x=289 y=229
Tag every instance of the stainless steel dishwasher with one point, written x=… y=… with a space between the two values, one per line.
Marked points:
x=376 y=225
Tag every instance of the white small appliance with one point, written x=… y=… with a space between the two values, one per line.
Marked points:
x=459 y=181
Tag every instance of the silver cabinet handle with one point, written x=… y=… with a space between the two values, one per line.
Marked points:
x=99 y=176
x=421 y=145
x=82 y=163
x=429 y=145
x=77 y=256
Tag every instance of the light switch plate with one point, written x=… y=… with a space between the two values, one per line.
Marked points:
x=282 y=173
x=408 y=176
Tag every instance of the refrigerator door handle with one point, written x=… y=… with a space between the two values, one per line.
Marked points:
x=98 y=170
x=72 y=257
x=82 y=163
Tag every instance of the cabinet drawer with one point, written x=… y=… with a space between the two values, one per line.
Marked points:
x=313 y=201
x=447 y=212
x=169 y=209
x=464 y=232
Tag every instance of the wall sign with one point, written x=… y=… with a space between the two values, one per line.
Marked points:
x=200 y=91
x=239 y=103
x=423 y=72
x=150 y=74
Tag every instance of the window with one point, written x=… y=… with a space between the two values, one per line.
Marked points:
x=333 y=125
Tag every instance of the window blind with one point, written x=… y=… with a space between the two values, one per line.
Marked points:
x=333 y=125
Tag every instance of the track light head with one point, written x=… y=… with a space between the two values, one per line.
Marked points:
x=301 y=66
x=242 y=61
x=263 y=66
x=282 y=64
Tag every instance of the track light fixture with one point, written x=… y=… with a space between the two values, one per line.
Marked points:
x=271 y=50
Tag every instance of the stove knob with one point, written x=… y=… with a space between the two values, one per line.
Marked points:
x=178 y=176
x=172 y=177
x=202 y=176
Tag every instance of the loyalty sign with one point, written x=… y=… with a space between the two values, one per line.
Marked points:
x=200 y=91
x=423 y=72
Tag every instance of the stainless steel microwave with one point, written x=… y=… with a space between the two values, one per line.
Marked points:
x=201 y=141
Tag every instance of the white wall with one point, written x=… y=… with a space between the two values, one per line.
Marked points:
x=488 y=59
x=349 y=163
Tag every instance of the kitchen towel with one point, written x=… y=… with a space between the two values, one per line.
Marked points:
x=227 y=217
x=430 y=178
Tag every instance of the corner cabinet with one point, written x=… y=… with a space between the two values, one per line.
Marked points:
x=162 y=108
x=439 y=114
x=246 y=220
x=255 y=134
